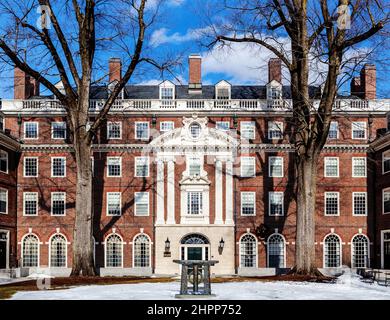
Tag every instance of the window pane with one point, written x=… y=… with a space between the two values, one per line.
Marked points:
x=276 y=203
x=114 y=167
x=333 y=130
x=331 y=203
x=248 y=203
x=58 y=130
x=275 y=130
x=248 y=251
x=30 y=251
x=114 y=203
x=359 y=167
x=58 y=204
x=248 y=168
x=3 y=161
x=276 y=166
x=30 y=203
x=141 y=252
x=3 y=201
x=59 y=165
x=331 y=167
x=222 y=125
x=167 y=126
x=332 y=252
x=194 y=203
x=142 y=203
x=142 y=167
x=142 y=130
x=114 y=251
x=30 y=167
x=247 y=130
x=31 y=130
x=58 y=251
x=358 y=130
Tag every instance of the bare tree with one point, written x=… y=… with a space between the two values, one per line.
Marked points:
x=322 y=31
x=68 y=35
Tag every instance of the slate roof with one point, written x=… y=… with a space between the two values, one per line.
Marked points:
x=208 y=92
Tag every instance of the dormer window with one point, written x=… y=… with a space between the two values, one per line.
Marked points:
x=276 y=94
x=167 y=94
x=223 y=94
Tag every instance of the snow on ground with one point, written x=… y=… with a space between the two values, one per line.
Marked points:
x=348 y=287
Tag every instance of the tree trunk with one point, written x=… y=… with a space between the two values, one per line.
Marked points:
x=83 y=260
x=306 y=204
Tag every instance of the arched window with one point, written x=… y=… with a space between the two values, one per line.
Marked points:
x=4 y=161
x=276 y=251
x=248 y=251
x=30 y=251
x=114 y=251
x=194 y=239
x=360 y=251
x=58 y=251
x=332 y=251
x=141 y=251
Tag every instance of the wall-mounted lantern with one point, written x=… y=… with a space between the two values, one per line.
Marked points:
x=167 y=252
x=221 y=246
x=235 y=121
x=154 y=120
x=19 y=119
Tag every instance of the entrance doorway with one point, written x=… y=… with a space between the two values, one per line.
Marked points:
x=195 y=247
x=3 y=250
x=386 y=249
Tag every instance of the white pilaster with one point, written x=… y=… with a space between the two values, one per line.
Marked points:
x=171 y=192
x=160 y=193
x=218 y=192
x=229 y=192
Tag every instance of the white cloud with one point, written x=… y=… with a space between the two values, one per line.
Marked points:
x=240 y=63
x=151 y=4
x=162 y=36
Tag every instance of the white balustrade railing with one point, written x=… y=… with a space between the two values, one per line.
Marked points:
x=192 y=104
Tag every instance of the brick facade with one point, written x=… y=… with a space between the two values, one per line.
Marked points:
x=167 y=218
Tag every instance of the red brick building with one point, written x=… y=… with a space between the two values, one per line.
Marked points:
x=381 y=209
x=9 y=160
x=195 y=172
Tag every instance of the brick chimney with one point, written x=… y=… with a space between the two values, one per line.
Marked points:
x=275 y=70
x=115 y=72
x=368 y=81
x=25 y=86
x=195 y=73
x=356 y=87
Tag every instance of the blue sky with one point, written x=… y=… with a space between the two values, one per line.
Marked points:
x=178 y=32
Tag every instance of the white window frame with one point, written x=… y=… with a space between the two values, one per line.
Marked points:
x=52 y=167
x=139 y=159
x=248 y=123
x=353 y=167
x=218 y=123
x=385 y=155
x=135 y=130
x=338 y=204
x=66 y=250
x=383 y=247
x=353 y=127
x=150 y=249
x=38 y=249
x=136 y=194
x=5 y=153
x=275 y=124
x=24 y=127
x=107 y=204
x=323 y=251
x=120 y=167
x=105 y=250
x=353 y=204
x=24 y=204
x=254 y=203
x=252 y=159
x=284 y=249
x=256 y=251
x=326 y=160
x=201 y=203
x=270 y=193
x=368 y=249
x=165 y=123
x=6 y=201
x=269 y=167
x=51 y=204
x=24 y=167
x=337 y=131
x=120 y=129
x=386 y=190
x=52 y=130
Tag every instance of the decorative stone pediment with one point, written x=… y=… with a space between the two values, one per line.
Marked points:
x=195 y=181
x=185 y=138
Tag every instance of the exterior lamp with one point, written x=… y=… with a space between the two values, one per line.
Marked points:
x=221 y=246
x=19 y=119
x=154 y=120
x=167 y=246
x=235 y=122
